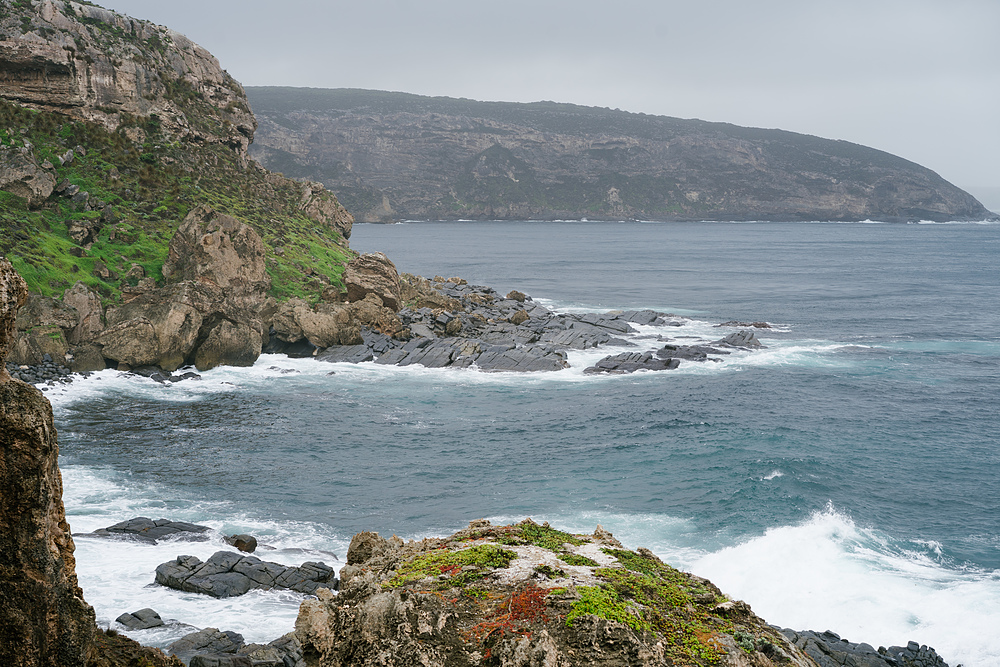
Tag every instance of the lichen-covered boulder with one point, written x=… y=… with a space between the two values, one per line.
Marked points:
x=526 y=595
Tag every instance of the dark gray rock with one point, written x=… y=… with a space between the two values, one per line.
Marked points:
x=140 y=620
x=829 y=650
x=148 y=530
x=630 y=362
x=227 y=574
x=221 y=660
x=744 y=339
x=688 y=352
x=209 y=641
x=352 y=354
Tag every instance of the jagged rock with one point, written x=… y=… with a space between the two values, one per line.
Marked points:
x=829 y=650
x=144 y=619
x=44 y=619
x=220 y=660
x=226 y=574
x=89 y=313
x=285 y=651
x=219 y=250
x=744 y=325
x=373 y=273
x=148 y=530
x=320 y=205
x=21 y=175
x=688 y=352
x=509 y=596
x=630 y=362
x=744 y=338
x=208 y=640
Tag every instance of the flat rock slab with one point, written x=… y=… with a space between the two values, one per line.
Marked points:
x=630 y=362
x=148 y=530
x=227 y=574
x=143 y=619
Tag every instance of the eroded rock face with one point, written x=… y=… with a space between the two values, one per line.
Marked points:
x=44 y=619
x=373 y=273
x=320 y=205
x=219 y=250
x=96 y=64
x=528 y=595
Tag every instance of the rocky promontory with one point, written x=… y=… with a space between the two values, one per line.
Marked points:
x=395 y=156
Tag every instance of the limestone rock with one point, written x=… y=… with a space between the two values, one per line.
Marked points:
x=44 y=620
x=320 y=205
x=523 y=595
x=228 y=343
x=21 y=175
x=86 y=358
x=219 y=250
x=373 y=273
x=90 y=315
x=95 y=64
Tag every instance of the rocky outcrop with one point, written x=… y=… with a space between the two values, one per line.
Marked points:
x=21 y=175
x=392 y=156
x=211 y=316
x=150 y=531
x=213 y=648
x=320 y=205
x=226 y=575
x=220 y=251
x=44 y=619
x=528 y=594
x=373 y=273
x=829 y=650
x=99 y=65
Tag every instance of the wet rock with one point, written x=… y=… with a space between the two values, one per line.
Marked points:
x=744 y=325
x=282 y=652
x=745 y=339
x=689 y=352
x=226 y=574
x=207 y=641
x=143 y=619
x=245 y=543
x=630 y=362
x=828 y=649
x=148 y=530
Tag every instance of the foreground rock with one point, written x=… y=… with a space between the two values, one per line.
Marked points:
x=143 y=619
x=44 y=620
x=226 y=575
x=528 y=595
x=212 y=648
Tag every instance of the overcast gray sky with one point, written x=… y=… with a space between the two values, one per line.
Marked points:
x=918 y=78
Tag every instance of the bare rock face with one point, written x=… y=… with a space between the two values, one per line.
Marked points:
x=96 y=64
x=89 y=314
x=320 y=205
x=21 y=175
x=44 y=619
x=526 y=595
x=373 y=273
x=218 y=250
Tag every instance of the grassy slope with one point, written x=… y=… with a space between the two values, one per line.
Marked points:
x=151 y=188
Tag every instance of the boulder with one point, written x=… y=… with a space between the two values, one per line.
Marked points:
x=133 y=343
x=744 y=338
x=21 y=175
x=219 y=250
x=245 y=543
x=322 y=206
x=226 y=575
x=228 y=343
x=373 y=273
x=89 y=314
x=208 y=641
x=144 y=619
x=86 y=358
x=44 y=619
x=34 y=345
x=285 y=651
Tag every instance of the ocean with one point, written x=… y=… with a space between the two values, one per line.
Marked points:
x=846 y=477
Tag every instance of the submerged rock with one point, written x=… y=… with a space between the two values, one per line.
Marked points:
x=147 y=530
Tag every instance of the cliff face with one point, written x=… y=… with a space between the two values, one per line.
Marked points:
x=98 y=65
x=390 y=156
x=44 y=619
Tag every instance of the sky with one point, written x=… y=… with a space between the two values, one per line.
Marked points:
x=917 y=78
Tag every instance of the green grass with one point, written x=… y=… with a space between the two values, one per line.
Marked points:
x=151 y=188
x=540 y=536
x=485 y=557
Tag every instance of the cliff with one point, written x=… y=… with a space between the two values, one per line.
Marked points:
x=112 y=130
x=391 y=156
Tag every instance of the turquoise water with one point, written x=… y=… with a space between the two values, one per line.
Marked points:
x=847 y=477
